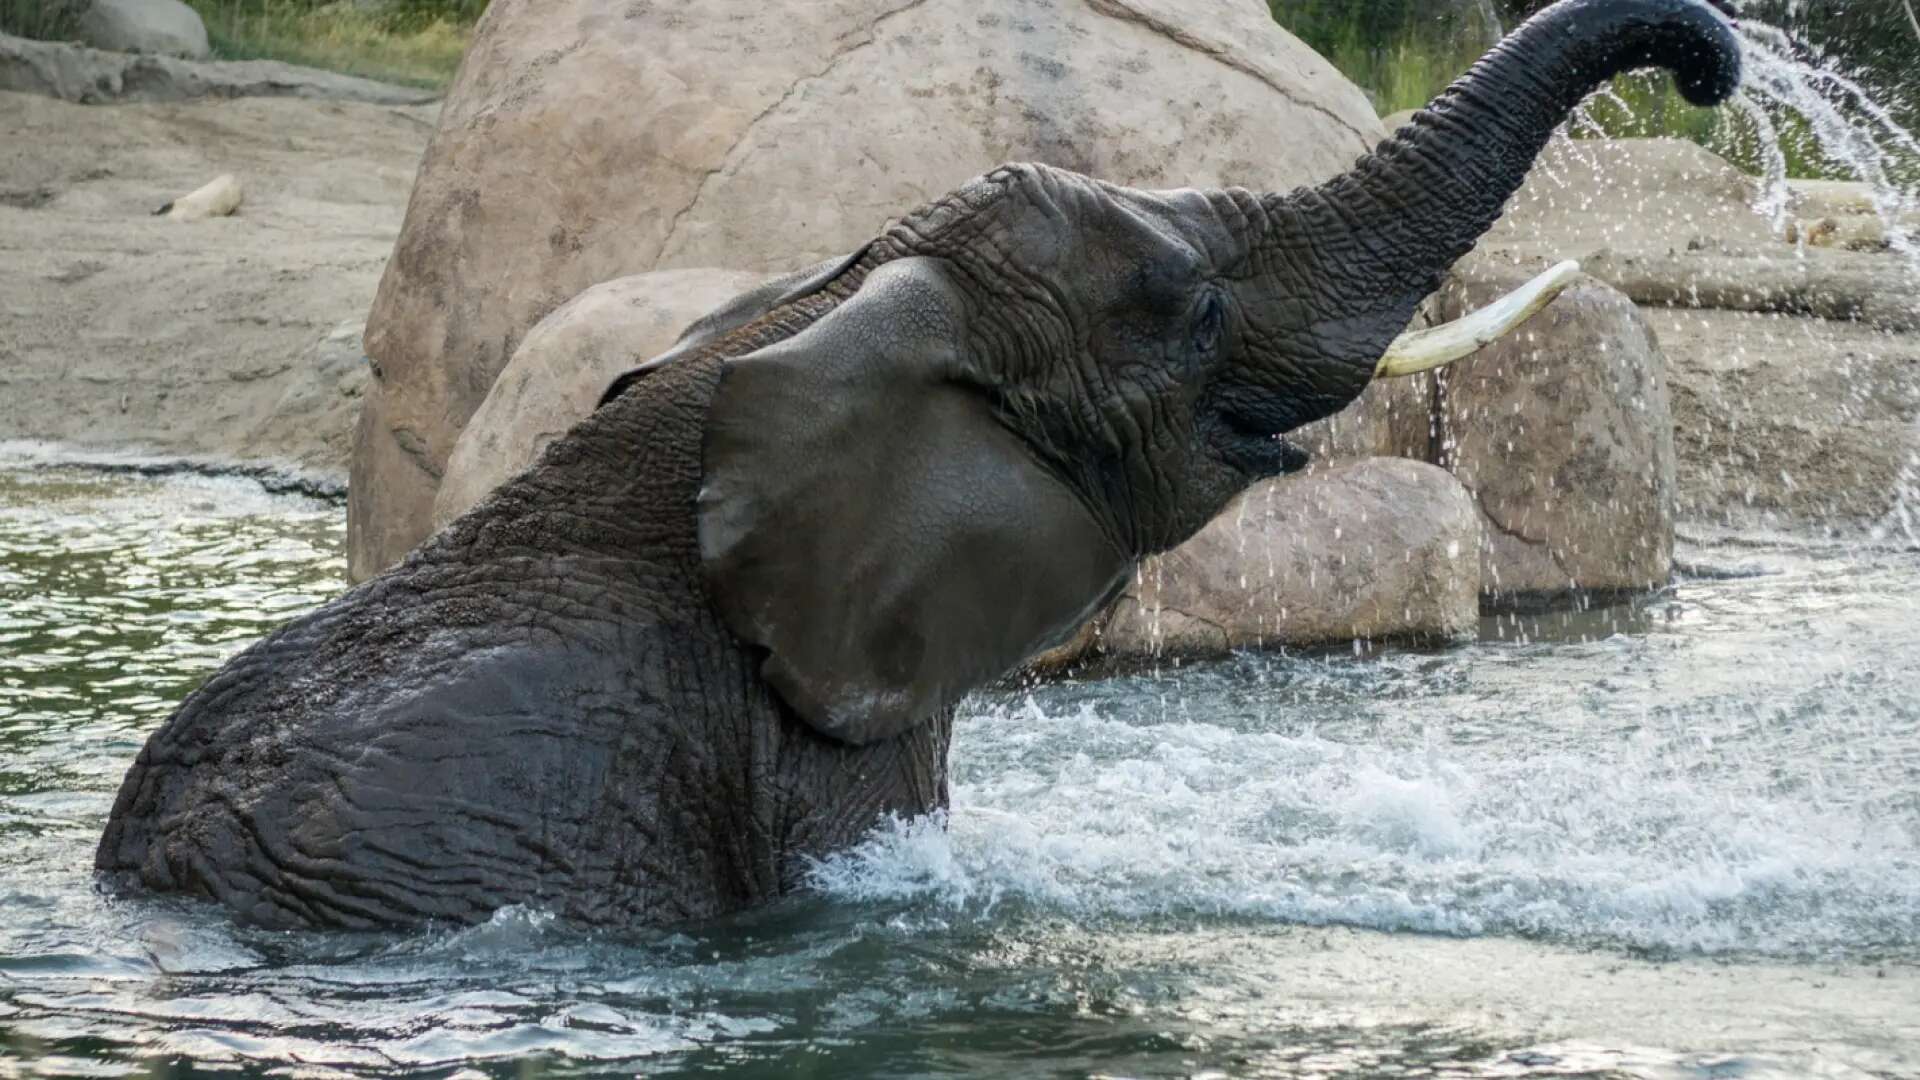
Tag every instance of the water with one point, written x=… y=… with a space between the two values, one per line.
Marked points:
x=1851 y=127
x=1679 y=838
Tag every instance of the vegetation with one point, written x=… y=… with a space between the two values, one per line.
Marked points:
x=1403 y=52
x=418 y=42
x=44 y=19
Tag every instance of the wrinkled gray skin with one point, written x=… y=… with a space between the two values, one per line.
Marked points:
x=721 y=625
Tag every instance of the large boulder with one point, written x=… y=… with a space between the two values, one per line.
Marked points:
x=1785 y=423
x=586 y=140
x=1377 y=549
x=1629 y=197
x=564 y=364
x=1564 y=434
x=164 y=27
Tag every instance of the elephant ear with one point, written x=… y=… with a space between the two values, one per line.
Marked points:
x=867 y=518
x=736 y=313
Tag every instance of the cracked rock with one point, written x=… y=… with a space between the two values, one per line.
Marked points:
x=1563 y=432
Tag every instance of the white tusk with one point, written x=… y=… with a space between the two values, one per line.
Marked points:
x=1424 y=350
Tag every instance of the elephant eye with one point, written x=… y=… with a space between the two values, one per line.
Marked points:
x=1209 y=323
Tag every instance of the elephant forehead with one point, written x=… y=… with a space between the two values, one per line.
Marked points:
x=1051 y=225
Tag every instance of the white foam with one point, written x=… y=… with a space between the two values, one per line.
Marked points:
x=1088 y=814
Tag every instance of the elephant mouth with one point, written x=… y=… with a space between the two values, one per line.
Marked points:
x=1249 y=434
x=1252 y=446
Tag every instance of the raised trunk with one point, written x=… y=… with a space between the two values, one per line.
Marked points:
x=1373 y=242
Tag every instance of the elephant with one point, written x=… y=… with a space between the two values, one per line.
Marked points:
x=720 y=627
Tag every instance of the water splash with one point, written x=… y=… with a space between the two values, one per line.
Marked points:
x=1847 y=121
x=1854 y=129
x=1796 y=100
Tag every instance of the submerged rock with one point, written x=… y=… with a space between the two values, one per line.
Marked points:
x=585 y=140
x=1378 y=549
x=563 y=365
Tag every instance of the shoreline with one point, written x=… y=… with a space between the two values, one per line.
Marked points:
x=274 y=477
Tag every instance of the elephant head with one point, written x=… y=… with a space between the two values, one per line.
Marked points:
x=932 y=458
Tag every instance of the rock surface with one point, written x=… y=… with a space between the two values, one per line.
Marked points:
x=1563 y=432
x=586 y=140
x=1795 y=372
x=1379 y=549
x=563 y=365
x=165 y=27
x=1632 y=197
x=1848 y=214
x=1826 y=284
x=232 y=338
x=95 y=77
x=1790 y=423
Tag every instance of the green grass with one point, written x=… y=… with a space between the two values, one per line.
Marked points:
x=1421 y=58
x=1648 y=105
x=1404 y=74
x=46 y=20
x=406 y=41
x=417 y=42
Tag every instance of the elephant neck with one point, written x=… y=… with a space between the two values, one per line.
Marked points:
x=613 y=502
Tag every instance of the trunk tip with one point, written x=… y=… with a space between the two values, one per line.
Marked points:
x=1706 y=63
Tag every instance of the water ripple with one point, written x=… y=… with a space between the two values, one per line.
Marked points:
x=1615 y=831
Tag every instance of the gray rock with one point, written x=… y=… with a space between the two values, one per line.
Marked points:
x=162 y=27
x=1630 y=196
x=1791 y=366
x=586 y=140
x=1786 y=423
x=324 y=385
x=1839 y=285
x=1378 y=549
x=1563 y=432
x=96 y=77
x=563 y=365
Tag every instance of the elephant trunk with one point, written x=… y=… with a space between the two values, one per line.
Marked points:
x=1373 y=242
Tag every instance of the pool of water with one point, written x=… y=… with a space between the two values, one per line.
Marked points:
x=1679 y=838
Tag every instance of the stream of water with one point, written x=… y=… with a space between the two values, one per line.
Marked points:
x=1679 y=838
